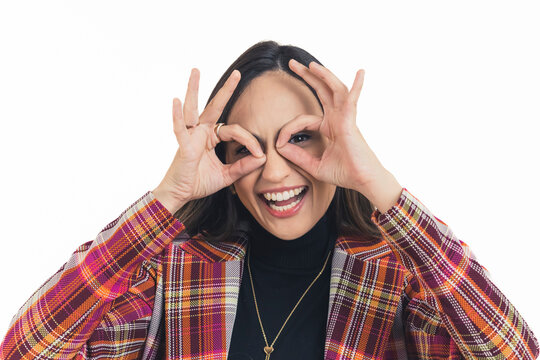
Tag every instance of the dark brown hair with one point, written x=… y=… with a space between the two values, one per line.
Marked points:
x=221 y=215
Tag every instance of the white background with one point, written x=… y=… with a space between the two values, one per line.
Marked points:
x=449 y=105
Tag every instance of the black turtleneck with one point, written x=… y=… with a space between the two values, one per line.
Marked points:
x=282 y=270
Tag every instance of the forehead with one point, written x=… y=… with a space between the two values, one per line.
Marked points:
x=270 y=101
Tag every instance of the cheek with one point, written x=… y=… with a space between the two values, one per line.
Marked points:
x=331 y=193
x=244 y=186
x=316 y=148
x=326 y=192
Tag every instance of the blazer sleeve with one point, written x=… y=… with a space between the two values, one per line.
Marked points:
x=59 y=318
x=454 y=307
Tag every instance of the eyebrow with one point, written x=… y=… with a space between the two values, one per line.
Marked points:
x=260 y=140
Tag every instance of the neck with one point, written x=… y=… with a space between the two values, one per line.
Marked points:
x=305 y=253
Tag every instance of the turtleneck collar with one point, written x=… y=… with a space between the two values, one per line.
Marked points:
x=305 y=254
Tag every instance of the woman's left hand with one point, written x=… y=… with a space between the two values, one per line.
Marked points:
x=347 y=161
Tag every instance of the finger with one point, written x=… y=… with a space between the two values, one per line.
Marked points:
x=357 y=86
x=338 y=88
x=299 y=123
x=213 y=111
x=301 y=158
x=241 y=167
x=179 y=126
x=324 y=92
x=191 y=111
x=235 y=132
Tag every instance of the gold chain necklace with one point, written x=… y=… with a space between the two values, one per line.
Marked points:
x=269 y=348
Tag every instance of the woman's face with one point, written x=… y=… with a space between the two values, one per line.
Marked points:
x=297 y=200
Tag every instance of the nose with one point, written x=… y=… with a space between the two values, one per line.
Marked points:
x=276 y=168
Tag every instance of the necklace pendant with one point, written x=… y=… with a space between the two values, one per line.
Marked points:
x=268 y=350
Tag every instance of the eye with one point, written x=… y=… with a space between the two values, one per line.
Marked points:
x=240 y=150
x=301 y=137
x=296 y=138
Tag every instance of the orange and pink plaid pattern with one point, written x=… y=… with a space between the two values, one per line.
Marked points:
x=416 y=293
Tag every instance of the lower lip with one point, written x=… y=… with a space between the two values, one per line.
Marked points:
x=285 y=213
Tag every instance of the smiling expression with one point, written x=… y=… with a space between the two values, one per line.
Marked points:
x=280 y=195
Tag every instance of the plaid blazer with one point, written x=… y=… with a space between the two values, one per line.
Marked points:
x=417 y=293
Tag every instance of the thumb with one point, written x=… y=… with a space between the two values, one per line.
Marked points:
x=241 y=167
x=300 y=157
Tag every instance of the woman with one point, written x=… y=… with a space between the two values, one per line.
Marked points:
x=275 y=250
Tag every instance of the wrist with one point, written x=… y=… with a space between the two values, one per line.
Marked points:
x=168 y=199
x=383 y=192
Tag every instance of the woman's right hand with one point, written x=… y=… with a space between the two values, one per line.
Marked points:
x=196 y=171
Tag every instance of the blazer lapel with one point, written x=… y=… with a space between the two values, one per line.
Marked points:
x=365 y=288
x=202 y=284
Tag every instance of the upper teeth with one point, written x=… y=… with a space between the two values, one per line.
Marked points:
x=285 y=195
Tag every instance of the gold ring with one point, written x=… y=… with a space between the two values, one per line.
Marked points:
x=217 y=126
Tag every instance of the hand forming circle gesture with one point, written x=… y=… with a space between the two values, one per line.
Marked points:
x=347 y=161
x=196 y=171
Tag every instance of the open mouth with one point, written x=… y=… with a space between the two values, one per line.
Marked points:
x=284 y=201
